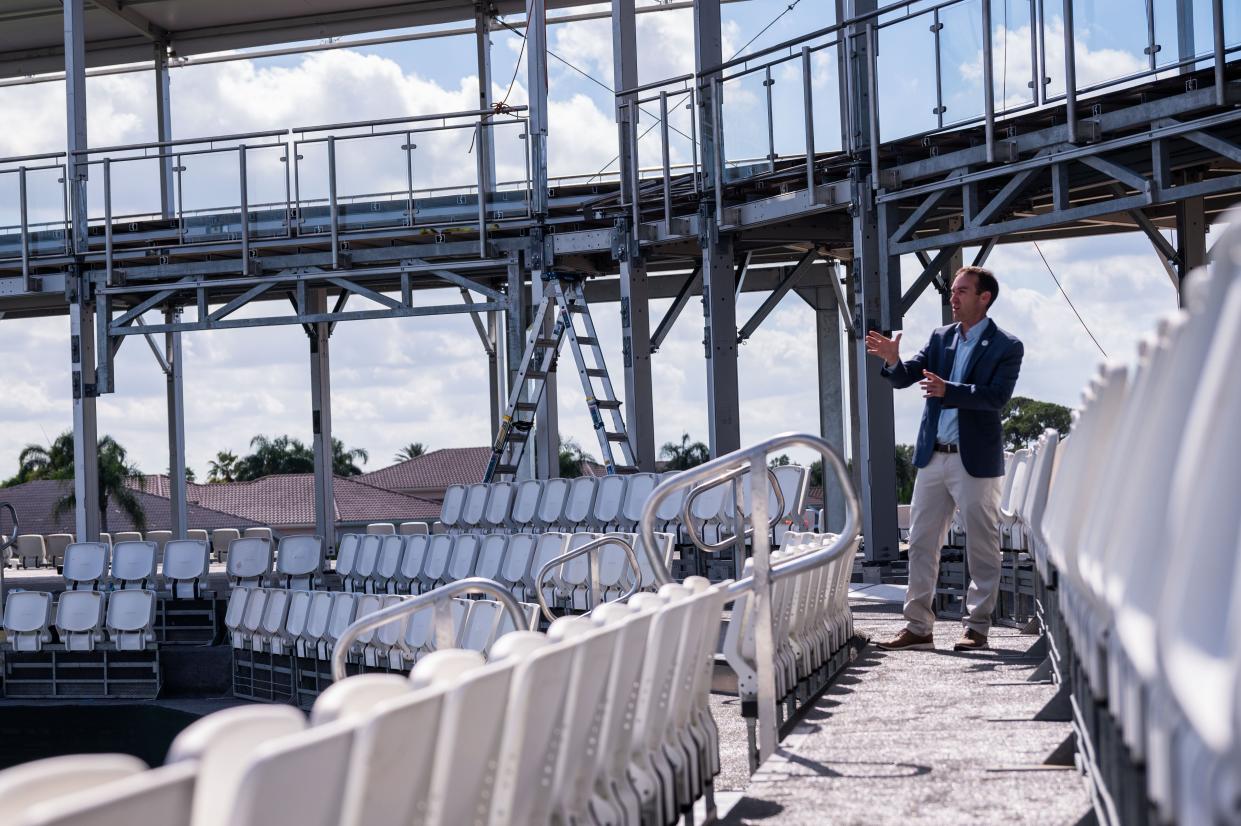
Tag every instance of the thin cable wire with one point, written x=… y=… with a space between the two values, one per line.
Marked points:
x=1069 y=301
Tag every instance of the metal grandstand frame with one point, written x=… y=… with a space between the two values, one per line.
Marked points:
x=1153 y=149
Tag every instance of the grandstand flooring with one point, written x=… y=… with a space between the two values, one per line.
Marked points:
x=914 y=737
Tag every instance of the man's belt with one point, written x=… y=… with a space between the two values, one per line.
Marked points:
x=940 y=447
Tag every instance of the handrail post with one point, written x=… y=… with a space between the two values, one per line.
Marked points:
x=764 y=633
x=872 y=55
x=482 y=190
x=808 y=106
x=635 y=169
x=107 y=220
x=663 y=137
x=245 y=210
x=1070 y=73
x=409 y=178
x=333 y=208
x=771 y=120
x=988 y=80
x=717 y=146
x=27 y=282
x=1217 y=26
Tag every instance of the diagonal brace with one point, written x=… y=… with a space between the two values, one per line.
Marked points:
x=781 y=290
x=245 y=298
x=460 y=281
x=366 y=292
x=488 y=346
x=928 y=274
x=678 y=304
x=1219 y=146
x=1007 y=194
x=1116 y=172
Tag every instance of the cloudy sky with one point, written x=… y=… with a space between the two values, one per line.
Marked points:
x=425 y=379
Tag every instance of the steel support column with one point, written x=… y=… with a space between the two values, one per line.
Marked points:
x=634 y=293
x=831 y=393
x=75 y=119
x=486 y=142
x=516 y=322
x=176 y=426
x=85 y=423
x=163 y=130
x=321 y=423
x=1191 y=237
x=536 y=74
x=546 y=437
x=955 y=262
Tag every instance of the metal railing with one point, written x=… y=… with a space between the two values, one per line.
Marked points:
x=740 y=533
x=4 y=549
x=441 y=599
x=759 y=582
x=595 y=594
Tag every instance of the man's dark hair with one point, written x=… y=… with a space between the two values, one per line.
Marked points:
x=986 y=282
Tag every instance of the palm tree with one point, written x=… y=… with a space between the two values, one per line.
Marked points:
x=115 y=472
x=571 y=457
x=223 y=468
x=343 y=460
x=52 y=462
x=282 y=454
x=685 y=455
x=411 y=451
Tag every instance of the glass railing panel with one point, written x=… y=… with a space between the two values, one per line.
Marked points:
x=906 y=78
x=1013 y=53
x=1110 y=40
x=825 y=75
x=961 y=61
x=745 y=122
x=134 y=191
x=45 y=211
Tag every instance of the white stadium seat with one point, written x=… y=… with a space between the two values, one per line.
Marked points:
x=27 y=617
x=221 y=539
x=525 y=508
x=86 y=565
x=186 y=565
x=249 y=560
x=79 y=619
x=298 y=561
x=26 y=788
x=131 y=619
x=133 y=564
x=30 y=551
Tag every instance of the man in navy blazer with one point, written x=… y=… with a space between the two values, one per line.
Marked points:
x=967 y=372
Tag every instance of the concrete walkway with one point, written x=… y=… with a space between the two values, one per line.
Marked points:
x=918 y=737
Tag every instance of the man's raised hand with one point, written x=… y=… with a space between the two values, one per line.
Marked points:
x=888 y=349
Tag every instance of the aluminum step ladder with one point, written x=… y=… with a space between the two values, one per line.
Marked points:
x=563 y=297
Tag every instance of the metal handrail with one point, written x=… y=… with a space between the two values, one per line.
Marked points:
x=595 y=591
x=12 y=540
x=438 y=597
x=763 y=574
x=736 y=473
x=474 y=113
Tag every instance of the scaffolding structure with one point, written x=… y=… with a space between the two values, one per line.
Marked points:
x=827 y=213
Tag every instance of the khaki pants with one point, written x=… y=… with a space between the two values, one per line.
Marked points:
x=940 y=487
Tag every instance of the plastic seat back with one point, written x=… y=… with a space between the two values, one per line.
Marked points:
x=164 y=795
x=27 y=615
x=439 y=551
x=344 y=610
x=86 y=564
x=499 y=501
x=794 y=481
x=296 y=617
x=609 y=498
x=221 y=540
x=131 y=619
x=275 y=615
x=412 y=562
x=56 y=544
x=525 y=508
x=517 y=558
x=317 y=619
x=347 y=554
x=133 y=564
x=475 y=506
x=464 y=555
x=637 y=491
x=79 y=619
x=381 y=529
x=45 y=782
x=186 y=563
x=580 y=502
x=389 y=562
x=30 y=550
x=235 y=612
x=413 y=528
x=249 y=560
x=490 y=559
x=551 y=502
x=481 y=622
x=550 y=546
x=364 y=566
x=450 y=509
x=298 y=561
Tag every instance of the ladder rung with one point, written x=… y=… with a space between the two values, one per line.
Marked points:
x=525 y=407
x=626 y=468
x=575 y=308
x=510 y=469
x=545 y=342
x=617 y=437
x=596 y=372
x=587 y=340
x=519 y=435
x=608 y=404
x=537 y=375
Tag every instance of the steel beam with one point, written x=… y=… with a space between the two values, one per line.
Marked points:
x=124 y=12
x=782 y=289
x=708 y=53
x=516 y=321
x=635 y=309
x=1191 y=237
x=163 y=129
x=175 y=392
x=693 y=284
x=76 y=143
x=719 y=309
x=486 y=144
x=536 y=74
x=546 y=436
x=321 y=424
x=85 y=421
x=831 y=393
x=931 y=268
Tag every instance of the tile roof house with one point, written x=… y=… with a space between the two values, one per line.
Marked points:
x=427 y=476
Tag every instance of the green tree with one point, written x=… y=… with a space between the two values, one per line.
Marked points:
x=282 y=454
x=571 y=457
x=905 y=473
x=1025 y=420
x=344 y=461
x=223 y=468
x=411 y=451
x=685 y=455
x=779 y=461
x=115 y=474
x=52 y=462
x=816 y=473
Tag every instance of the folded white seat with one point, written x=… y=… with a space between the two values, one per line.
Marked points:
x=550 y=545
x=252 y=618
x=409 y=574
x=668 y=514
x=471 y=727
x=258 y=532
x=663 y=549
x=499 y=502
x=186 y=565
x=268 y=636
x=131 y=619
x=473 y=510
x=164 y=796
x=27 y=615
x=285 y=639
x=794 y=482
x=221 y=540
x=249 y=560
x=395 y=744
x=609 y=498
x=384 y=647
x=344 y=609
x=30 y=550
x=79 y=619
x=435 y=568
x=347 y=555
x=320 y=754
x=518 y=557
x=420 y=638
x=364 y=564
x=133 y=564
x=572 y=579
x=552 y=498
x=235 y=614
x=221 y=746
x=55 y=548
x=525 y=507
x=708 y=511
x=450 y=508
x=86 y=565
x=481 y=625
x=461 y=560
x=490 y=557
x=381 y=529
x=29 y=786
x=383 y=578
x=318 y=615
x=298 y=561
x=638 y=489
x=198 y=534
x=412 y=528
x=579 y=504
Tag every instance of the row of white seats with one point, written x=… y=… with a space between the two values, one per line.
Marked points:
x=308 y=623
x=82 y=619
x=603 y=718
x=36 y=550
x=416 y=563
x=1143 y=533
x=603 y=503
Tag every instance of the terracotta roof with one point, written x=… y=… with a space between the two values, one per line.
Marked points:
x=289 y=499
x=435 y=470
x=35 y=502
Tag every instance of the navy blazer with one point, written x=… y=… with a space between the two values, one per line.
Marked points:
x=987 y=386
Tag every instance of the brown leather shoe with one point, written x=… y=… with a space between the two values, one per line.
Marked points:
x=971 y=641
x=908 y=641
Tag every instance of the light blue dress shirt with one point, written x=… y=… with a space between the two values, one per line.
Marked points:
x=949 y=432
